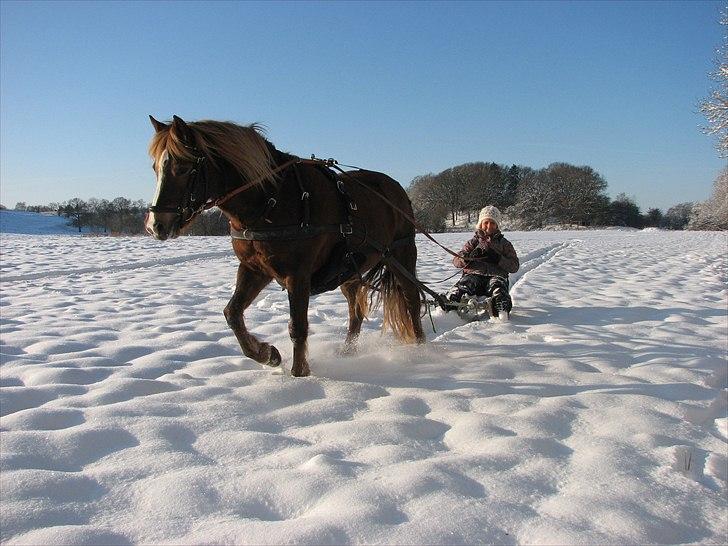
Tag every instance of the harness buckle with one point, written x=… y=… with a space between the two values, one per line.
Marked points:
x=346 y=229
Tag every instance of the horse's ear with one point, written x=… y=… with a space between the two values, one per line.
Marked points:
x=181 y=128
x=158 y=125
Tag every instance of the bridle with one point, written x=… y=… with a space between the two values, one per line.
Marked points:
x=195 y=199
x=196 y=194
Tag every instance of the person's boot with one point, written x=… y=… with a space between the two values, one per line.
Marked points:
x=501 y=303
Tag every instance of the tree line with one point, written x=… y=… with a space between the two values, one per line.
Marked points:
x=561 y=194
x=529 y=199
x=120 y=216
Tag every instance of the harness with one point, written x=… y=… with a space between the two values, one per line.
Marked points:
x=304 y=229
x=197 y=200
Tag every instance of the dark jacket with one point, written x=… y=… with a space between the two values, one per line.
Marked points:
x=477 y=247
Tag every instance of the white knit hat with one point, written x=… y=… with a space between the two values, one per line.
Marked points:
x=490 y=212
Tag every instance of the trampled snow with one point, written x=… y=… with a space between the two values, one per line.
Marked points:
x=596 y=415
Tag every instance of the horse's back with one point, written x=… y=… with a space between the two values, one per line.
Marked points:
x=381 y=201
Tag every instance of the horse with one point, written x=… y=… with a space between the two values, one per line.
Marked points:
x=292 y=220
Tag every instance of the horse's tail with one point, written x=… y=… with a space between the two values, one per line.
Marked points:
x=380 y=286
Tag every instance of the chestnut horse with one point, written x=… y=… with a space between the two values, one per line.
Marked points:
x=294 y=221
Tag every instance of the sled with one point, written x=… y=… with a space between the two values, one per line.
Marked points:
x=472 y=308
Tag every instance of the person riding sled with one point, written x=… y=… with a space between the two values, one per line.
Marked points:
x=486 y=260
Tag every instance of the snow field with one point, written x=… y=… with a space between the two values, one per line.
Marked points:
x=597 y=415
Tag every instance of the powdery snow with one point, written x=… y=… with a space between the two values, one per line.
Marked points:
x=597 y=415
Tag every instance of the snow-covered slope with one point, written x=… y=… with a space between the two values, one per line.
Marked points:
x=34 y=223
x=597 y=415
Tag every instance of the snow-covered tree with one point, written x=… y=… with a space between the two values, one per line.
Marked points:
x=677 y=217
x=536 y=201
x=713 y=213
x=715 y=107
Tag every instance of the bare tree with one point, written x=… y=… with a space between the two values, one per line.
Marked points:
x=451 y=190
x=484 y=185
x=577 y=192
x=78 y=212
x=715 y=108
x=429 y=208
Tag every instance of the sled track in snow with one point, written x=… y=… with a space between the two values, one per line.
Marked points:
x=116 y=267
x=537 y=258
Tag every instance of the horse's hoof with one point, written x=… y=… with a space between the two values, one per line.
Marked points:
x=349 y=349
x=303 y=372
x=274 y=359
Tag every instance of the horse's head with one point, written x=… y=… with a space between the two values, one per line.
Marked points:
x=182 y=179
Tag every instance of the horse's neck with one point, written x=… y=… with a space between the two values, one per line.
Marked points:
x=247 y=208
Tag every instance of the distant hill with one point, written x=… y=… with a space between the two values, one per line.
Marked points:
x=34 y=223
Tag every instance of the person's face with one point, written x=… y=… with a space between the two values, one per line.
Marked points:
x=489 y=226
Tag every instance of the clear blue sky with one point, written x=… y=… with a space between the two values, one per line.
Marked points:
x=402 y=87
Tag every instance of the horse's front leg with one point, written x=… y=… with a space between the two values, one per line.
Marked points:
x=248 y=286
x=299 y=291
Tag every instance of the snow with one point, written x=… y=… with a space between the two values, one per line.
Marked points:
x=34 y=223
x=596 y=415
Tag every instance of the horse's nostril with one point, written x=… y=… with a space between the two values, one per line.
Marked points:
x=158 y=227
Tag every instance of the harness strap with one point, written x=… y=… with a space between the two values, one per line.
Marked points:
x=220 y=200
x=268 y=207
x=441 y=301
x=289 y=233
x=305 y=198
x=408 y=216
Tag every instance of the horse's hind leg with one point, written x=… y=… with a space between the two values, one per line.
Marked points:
x=407 y=257
x=248 y=286
x=357 y=311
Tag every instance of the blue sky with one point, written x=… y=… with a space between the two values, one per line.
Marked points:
x=406 y=88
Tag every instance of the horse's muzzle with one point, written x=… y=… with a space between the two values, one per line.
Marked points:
x=162 y=225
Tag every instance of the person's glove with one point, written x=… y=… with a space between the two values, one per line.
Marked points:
x=476 y=253
x=491 y=256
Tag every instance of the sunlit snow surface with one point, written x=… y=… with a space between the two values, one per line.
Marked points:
x=597 y=415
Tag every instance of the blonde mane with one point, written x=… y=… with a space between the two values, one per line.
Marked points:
x=244 y=147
